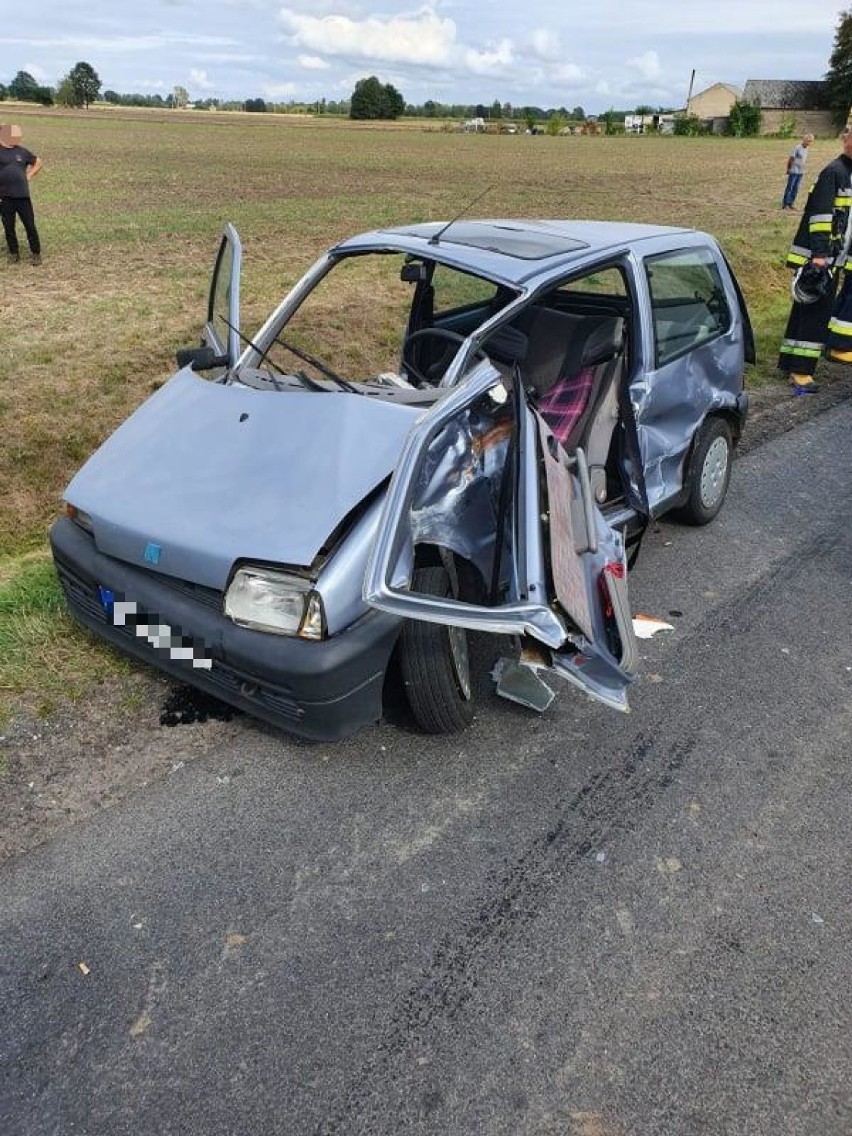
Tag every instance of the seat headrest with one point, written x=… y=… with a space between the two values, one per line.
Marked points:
x=507 y=345
x=604 y=342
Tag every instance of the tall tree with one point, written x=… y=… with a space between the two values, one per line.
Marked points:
x=24 y=87
x=66 y=93
x=838 y=78
x=85 y=81
x=372 y=100
x=393 y=102
x=367 y=99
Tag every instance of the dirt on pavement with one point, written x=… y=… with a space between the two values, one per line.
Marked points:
x=130 y=731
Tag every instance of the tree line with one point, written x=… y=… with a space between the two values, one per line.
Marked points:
x=80 y=87
x=371 y=99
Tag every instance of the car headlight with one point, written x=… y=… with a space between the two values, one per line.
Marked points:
x=266 y=600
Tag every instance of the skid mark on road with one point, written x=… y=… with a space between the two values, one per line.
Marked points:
x=611 y=802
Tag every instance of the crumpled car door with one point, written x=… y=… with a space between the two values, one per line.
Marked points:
x=481 y=477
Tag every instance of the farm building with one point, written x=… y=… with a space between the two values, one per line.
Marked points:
x=783 y=100
x=713 y=105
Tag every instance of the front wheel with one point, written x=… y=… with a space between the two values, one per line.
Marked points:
x=708 y=474
x=435 y=664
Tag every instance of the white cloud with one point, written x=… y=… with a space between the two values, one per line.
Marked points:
x=421 y=38
x=482 y=62
x=648 y=66
x=199 y=79
x=313 y=63
x=570 y=73
x=546 y=44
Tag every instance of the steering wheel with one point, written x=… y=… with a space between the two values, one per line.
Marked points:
x=438 y=333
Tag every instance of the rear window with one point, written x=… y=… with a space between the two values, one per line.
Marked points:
x=688 y=301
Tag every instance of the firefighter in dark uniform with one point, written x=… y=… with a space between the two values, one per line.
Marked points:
x=822 y=241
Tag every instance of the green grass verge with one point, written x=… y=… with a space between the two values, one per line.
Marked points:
x=42 y=654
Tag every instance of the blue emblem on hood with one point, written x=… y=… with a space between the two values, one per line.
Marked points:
x=107 y=598
x=152 y=553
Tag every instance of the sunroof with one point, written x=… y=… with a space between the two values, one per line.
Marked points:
x=524 y=244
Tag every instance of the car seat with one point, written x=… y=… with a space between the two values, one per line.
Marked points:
x=581 y=407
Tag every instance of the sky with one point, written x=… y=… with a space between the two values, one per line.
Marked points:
x=549 y=53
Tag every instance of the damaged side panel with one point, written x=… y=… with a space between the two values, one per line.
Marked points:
x=670 y=406
x=447 y=493
x=482 y=478
x=696 y=349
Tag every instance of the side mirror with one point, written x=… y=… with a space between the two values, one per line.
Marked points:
x=200 y=358
x=413 y=272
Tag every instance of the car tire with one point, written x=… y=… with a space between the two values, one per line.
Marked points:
x=435 y=664
x=709 y=473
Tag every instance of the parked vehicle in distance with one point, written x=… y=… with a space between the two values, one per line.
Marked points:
x=442 y=428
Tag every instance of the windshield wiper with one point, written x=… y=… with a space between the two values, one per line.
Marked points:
x=314 y=362
x=304 y=379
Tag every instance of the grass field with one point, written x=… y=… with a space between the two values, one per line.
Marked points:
x=130 y=206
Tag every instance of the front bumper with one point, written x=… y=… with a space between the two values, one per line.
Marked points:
x=320 y=691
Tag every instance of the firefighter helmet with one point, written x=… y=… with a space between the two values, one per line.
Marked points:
x=810 y=283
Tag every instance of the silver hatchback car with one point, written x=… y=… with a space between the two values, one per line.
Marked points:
x=442 y=428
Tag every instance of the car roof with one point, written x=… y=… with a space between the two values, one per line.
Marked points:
x=514 y=250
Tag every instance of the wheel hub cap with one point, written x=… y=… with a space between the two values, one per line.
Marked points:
x=713 y=473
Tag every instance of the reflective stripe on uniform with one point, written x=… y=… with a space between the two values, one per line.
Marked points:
x=797 y=257
x=840 y=327
x=801 y=348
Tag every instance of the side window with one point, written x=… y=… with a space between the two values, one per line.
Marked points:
x=602 y=282
x=688 y=302
x=456 y=291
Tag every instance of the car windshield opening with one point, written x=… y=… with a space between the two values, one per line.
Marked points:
x=352 y=327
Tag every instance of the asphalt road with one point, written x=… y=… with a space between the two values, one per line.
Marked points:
x=581 y=924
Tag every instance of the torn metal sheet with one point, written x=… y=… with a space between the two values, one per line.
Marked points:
x=521 y=682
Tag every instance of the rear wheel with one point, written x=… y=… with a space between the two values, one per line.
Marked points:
x=709 y=473
x=435 y=664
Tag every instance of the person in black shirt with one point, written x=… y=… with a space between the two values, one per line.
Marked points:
x=18 y=166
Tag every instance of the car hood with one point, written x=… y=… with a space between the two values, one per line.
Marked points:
x=203 y=475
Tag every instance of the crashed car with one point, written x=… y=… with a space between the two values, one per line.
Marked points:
x=441 y=429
